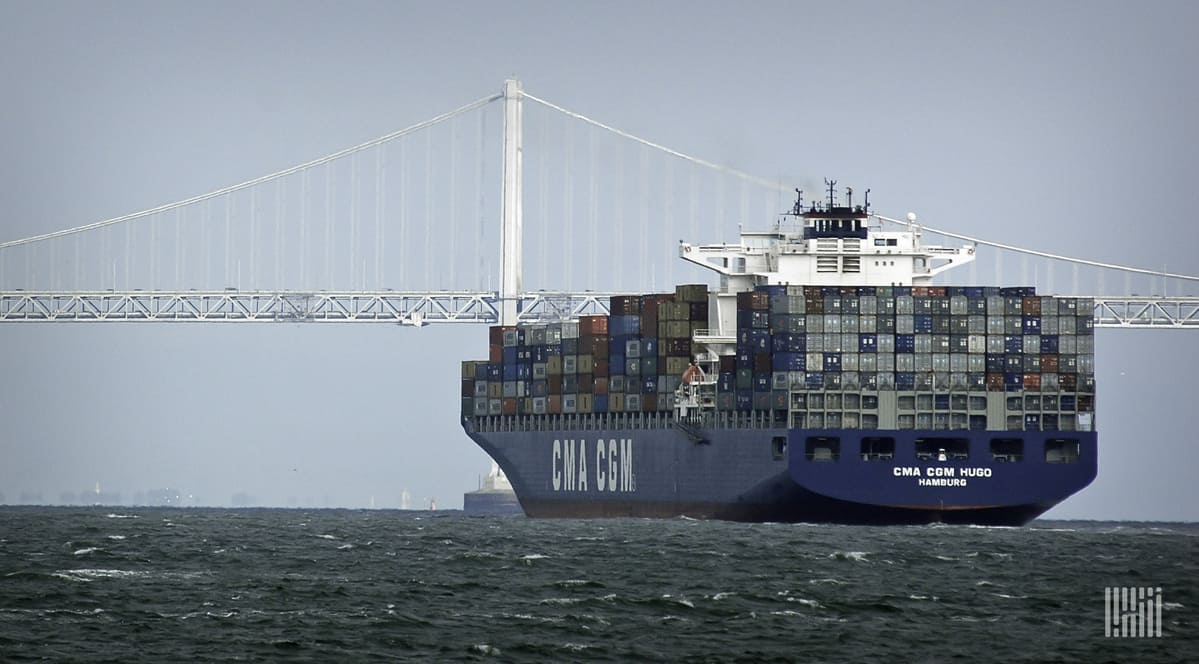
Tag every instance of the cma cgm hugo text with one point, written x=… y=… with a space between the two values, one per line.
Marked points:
x=827 y=380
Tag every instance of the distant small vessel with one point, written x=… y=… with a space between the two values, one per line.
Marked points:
x=495 y=496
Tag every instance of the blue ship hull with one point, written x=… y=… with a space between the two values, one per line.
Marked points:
x=763 y=474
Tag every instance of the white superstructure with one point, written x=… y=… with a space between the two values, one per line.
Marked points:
x=823 y=245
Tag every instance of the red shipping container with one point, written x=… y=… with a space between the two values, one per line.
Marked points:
x=592 y=325
x=509 y=406
x=1032 y=381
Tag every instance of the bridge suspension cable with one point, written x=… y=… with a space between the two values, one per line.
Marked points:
x=259 y=180
x=777 y=186
x=695 y=160
x=1044 y=254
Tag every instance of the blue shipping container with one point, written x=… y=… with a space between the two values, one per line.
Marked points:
x=788 y=362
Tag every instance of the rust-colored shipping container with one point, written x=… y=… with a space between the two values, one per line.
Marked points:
x=995 y=382
x=592 y=325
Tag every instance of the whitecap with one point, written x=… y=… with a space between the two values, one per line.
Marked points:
x=575 y=647
x=836 y=582
x=806 y=602
x=122 y=516
x=101 y=573
x=85 y=551
x=1171 y=605
x=680 y=600
x=560 y=600
x=485 y=649
x=71 y=577
x=857 y=556
x=1006 y=596
x=116 y=537
x=786 y=612
x=345 y=547
x=721 y=595
x=328 y=537
x=945 y=558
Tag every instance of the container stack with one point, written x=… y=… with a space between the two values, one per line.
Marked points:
x=825 y=353
x=927 y=343
x=630 y=361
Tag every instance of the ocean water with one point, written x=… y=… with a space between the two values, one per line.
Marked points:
x=156 y=585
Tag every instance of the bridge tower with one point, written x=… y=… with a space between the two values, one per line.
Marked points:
x=511 y=282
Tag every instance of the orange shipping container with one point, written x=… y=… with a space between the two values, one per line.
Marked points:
x=593 y=325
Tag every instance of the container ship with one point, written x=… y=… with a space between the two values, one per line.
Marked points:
x=826 y=379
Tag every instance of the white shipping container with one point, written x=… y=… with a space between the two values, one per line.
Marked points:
x=886 y=343
x=976 y=343
x=832 y=343
x=924 y=343
x=995 y=343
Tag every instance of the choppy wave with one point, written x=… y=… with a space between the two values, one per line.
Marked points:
x=377 y=585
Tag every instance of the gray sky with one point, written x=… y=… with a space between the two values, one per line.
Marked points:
x=1067 y=127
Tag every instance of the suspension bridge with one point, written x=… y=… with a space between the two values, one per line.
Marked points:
x=411 y=228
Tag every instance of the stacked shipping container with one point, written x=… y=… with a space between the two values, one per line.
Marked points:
x=630 y=361
x=799 y=348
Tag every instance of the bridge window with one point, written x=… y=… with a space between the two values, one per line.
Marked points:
x=942 y=449
x=822 y=448
x=778 y=447
x=878 y=448
x=1007 y=449
x=1061 y=450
